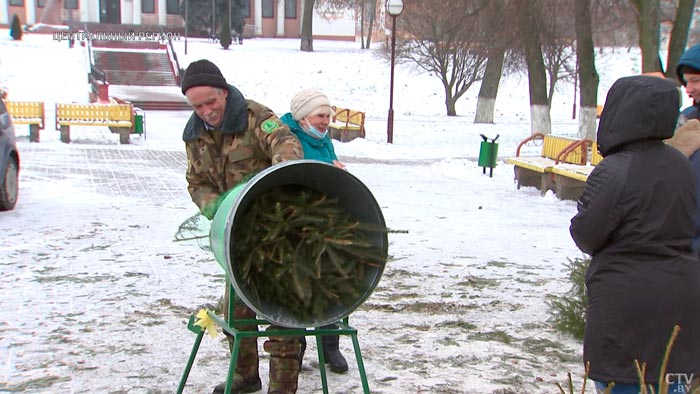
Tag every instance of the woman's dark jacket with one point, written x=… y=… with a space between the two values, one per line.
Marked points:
x=635 y=218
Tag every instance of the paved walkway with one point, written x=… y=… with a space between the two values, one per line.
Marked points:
x=113 y=171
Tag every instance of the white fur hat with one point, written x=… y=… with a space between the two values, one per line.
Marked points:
x=307 y=101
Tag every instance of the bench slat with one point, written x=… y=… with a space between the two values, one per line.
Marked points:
x=114 y=115
x=578 y=172
x=27 y=112
x=538 y=164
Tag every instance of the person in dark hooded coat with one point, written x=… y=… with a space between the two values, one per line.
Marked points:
x=635 y=219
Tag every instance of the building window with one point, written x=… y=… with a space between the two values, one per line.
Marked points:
x=245 y=8
x=40 y=3
x=172 y=7
x=70 y=4
x=290 y=9
x=148 y=6
x=268 y=9
x=17 y=2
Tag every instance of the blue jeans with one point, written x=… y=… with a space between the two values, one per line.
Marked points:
x=626 y=388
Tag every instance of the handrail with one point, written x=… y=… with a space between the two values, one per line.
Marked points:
x=526 y=140
x=95 y=72
x=173 y=58
x=572 y=147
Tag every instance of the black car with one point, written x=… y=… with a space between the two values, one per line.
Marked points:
x=9 y=161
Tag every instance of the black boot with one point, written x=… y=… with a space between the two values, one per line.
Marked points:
x=331 y=353
x=239 y=385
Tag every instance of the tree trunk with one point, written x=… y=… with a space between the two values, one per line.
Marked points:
x=587 y=74
x=450 y=102
x=648 y=22
x=679 y=35
x=373 y=5
x=307 y=39
x=363 y=5
x=51 y=15
x=486 y=104
x=540 y=121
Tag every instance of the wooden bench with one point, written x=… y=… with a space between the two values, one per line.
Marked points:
x=347 y=124
x=570 y=179
x=118 y=117
x=28 y=112
x=538 y=171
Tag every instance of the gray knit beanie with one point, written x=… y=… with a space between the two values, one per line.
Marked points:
x=306 y=102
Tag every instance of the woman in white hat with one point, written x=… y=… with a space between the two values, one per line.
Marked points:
x=309 y=118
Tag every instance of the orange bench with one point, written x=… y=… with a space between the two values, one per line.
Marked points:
x=347 y=124
x=570 y=179
x=28 y=112
x=538 y=171
x=118 y=117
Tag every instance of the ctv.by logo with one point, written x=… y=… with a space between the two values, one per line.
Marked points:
x=680 y=379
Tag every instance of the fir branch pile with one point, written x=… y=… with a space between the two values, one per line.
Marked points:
x=296 y=247
x=568 y=311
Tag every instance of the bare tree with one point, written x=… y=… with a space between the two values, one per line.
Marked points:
x=365 y=9
x=497 y=15
x=371 y=14
x=679 y=35
x=446 y=39
x=558 y=42
x=648 y=23
x=307 y=35
x=650 y=16
x=529 y=29
x=587 y=74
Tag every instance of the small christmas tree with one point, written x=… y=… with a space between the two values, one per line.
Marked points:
x=225 y=32
x=16 y=28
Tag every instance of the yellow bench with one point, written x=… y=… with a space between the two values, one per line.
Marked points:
x=538 y=171
x=570 y=179
x=347 y=124
x=118 y=117
x=28 y=112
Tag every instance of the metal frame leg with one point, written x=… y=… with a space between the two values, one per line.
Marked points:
x=193 y=354
x=321 y=364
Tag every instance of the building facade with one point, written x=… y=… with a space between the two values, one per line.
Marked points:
x=263 y=18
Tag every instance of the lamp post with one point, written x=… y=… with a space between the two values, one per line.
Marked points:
x=187 y=22
x=394 y=8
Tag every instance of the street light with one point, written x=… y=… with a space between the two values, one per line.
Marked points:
x=394 y=8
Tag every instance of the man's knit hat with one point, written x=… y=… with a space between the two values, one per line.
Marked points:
x=203 y=73
x=307 y=101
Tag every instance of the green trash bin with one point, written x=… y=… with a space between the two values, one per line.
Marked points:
x=488 y=152
x=139 y=122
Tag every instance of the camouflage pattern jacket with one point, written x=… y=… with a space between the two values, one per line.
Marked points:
x=254 y=138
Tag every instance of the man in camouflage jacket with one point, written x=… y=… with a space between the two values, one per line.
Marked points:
x=227 y=139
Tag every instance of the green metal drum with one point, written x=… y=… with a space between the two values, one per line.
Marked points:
x=353 y=197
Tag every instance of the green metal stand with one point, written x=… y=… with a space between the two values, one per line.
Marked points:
x=230 y=328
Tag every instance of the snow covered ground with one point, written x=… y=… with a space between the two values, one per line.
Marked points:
x=96 y=295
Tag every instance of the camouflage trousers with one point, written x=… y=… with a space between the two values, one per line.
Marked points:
x=285 y=352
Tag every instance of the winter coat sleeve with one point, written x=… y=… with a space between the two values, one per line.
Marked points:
x=202 y=191
x=686 y=138
x=276 y=140
x=600 y=207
